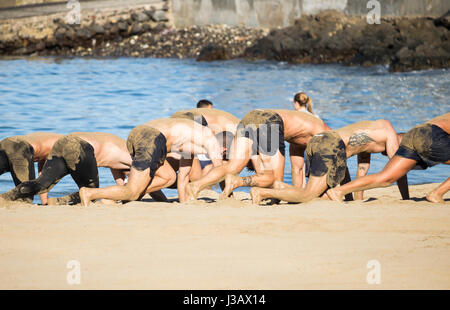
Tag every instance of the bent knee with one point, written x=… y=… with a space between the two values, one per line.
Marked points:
x=132 y=194
x=385 y=180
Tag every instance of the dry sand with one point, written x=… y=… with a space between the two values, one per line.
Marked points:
x=230 y=244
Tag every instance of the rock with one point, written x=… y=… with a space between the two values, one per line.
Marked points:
x=158 y=28
x=404 y=53
x=136 y=28
x=146 y=28
x=213 y=52
x=60 y=33
x=70 y=34
x=96 y=29
x=114 y=30
x=40 y=46
x=159 y=16
x=122 y=26
x=84 y=33
x=141 y=17
x=443 y=21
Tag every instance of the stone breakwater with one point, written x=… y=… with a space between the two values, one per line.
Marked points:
x=329 y=37
x=135 y=33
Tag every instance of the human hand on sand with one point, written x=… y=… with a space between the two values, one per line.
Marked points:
x=435 y=197
x=192 y=190
x=255 y=193
x=85 y=197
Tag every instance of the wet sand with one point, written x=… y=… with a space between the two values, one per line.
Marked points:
x=229 y=244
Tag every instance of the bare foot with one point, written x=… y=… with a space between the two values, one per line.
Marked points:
x=436 y=198
x=255 y=193
x=231 y=183
x=84 y=196
x=334 y=194
x=192 y=190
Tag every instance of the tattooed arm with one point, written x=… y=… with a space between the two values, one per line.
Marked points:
x=363 y=168
x=359 y=139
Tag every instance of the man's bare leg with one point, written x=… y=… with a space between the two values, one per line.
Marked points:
x=272 y=170
x=164 y=177
x=437 y=195
x=138 y=182
x=315 y=187
x=240 y=155
x=394 y=170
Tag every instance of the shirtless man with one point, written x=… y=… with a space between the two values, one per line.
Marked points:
x=217 y=120
x=19 y=153
x=427 y=145
x=327 y=155
x=260 y=139
x=78 y=154
x=148 y=145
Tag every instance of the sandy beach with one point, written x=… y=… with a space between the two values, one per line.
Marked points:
x=229 y=244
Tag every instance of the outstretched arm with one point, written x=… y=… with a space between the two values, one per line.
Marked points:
x=363 y=168
x=402 y=184
x=183 y=178
x=43 y=196
x=296 y=154
x=396 y=168
x=214 y=151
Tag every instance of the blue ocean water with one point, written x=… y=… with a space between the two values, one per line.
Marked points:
x=114 y=95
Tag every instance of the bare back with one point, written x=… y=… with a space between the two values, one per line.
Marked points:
x=42 y=143
x=218 y=120
x=186 y=136
x=110 y=150
x=442 y=121
x=368 y=137
x=300 y=127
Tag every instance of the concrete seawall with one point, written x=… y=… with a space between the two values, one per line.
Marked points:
x=282 y=13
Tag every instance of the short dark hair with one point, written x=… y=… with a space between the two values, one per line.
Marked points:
x=204 y=103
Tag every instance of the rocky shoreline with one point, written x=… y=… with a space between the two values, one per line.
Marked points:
x=330 y=37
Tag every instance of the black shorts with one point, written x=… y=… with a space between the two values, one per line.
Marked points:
x=326 y=154
x=266 y=129
x=192 y=116
x=17 y=157
x=427 y=144
x=148 y=148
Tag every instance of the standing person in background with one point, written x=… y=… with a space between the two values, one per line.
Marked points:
x=303 y=103
x=204 y=104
